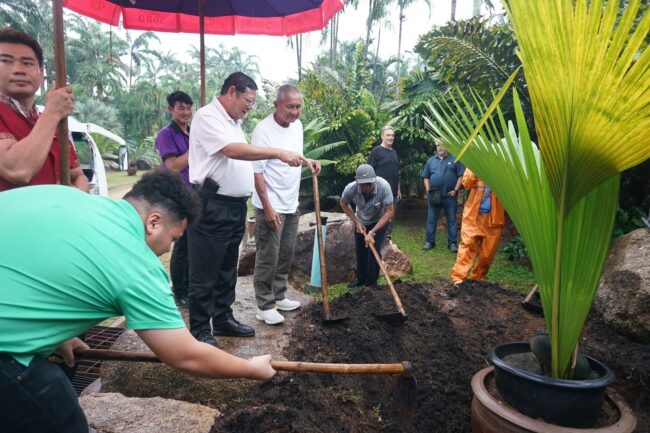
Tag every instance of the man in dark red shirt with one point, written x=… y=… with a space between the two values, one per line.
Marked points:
x=29 y=144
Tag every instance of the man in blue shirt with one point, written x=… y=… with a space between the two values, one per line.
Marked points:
x=442 y=177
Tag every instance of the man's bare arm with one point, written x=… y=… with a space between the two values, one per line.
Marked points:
x=177 y=163
x=271 y=217
x=179 y=349
x=21 y=160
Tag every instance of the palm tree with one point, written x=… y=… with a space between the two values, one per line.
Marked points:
x=140 y=54
x=402 y=5
x=95 y=58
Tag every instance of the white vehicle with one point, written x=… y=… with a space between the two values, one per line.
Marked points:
x=90 y=159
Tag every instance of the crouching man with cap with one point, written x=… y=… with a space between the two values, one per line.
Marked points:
x=373 y=199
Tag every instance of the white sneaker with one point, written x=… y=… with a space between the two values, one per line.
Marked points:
x=270 y=317
x=287 y=304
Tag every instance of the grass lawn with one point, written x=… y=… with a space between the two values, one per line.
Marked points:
x=117 y=178
x=435 y=264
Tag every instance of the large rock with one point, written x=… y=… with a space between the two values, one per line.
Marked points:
x=141 y=379
x=339 y=252
x=114 y=413
x=623 y=297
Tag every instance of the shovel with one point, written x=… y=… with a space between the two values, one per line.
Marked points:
x=532 y=303
x=327 y=316
x=405 y=388
x=397 y=318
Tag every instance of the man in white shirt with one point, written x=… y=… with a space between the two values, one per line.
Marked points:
x=220 y=170
x=276 y=205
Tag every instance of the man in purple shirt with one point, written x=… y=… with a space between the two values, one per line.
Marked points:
x=173 y=143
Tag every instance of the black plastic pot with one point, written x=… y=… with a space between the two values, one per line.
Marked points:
x=569 y=403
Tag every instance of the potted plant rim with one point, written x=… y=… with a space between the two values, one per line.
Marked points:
x=588 y=77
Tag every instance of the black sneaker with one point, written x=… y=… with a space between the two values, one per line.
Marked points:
x=206 y=337
x=232 y=328
x=427 y=246
x=453 y=248
x=355 y=285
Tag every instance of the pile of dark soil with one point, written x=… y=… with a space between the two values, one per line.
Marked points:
x=448 y=332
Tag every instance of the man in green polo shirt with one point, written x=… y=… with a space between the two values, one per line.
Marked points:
x=69 y=260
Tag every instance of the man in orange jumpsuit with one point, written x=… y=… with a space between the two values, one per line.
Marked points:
x=480 y=232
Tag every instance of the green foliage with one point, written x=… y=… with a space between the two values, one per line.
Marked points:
x=144 y=150
x=628 y=220
x=354 y=116
x=516 y=249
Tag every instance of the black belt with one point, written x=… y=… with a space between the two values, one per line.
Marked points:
x=230 y=198
x=203 y=192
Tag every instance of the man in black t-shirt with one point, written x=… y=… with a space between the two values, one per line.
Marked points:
x=383 y=159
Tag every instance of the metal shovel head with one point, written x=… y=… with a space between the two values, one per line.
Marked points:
x=392 y=318
x=404 y=399
x=333 y=320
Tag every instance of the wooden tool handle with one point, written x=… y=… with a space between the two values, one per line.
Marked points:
x=304 y=367
x=321 y=250
x=393 y=292
x=317 y=367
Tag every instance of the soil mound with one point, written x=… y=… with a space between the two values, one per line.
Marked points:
x=448 y=332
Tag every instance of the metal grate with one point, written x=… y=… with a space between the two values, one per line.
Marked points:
x=99 y=337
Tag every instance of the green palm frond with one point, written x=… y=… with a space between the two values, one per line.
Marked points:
x=589 y=81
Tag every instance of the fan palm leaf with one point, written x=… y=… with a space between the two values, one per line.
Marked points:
x=589 y=84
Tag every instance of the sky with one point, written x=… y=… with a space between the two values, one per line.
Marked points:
x=277 y=60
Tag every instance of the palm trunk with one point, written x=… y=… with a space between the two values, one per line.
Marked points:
x=299 y=55
x=371 y=6
x=399 y=42
x=476 y=9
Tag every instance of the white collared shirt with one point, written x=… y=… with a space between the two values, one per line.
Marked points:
x=282 y=181
x=212 y=130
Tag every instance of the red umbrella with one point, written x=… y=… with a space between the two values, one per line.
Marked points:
x=225 y=17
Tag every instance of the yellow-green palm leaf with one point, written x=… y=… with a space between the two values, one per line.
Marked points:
x=589 y=86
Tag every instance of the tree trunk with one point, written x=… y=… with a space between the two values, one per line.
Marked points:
x=369 y=21
x=399 y=42
x=299 y=55
x=476 y=10
x=453 y=10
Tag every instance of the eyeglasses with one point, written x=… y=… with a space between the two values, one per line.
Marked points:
x=250 y=101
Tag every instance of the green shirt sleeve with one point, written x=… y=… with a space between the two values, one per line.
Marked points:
x=148 y=303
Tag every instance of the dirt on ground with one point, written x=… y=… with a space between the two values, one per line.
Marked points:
x=447 y=335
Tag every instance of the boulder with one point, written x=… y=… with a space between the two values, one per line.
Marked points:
x=114 y=413
x=110 y=157
x=623 y=297
x=142 y=379
x=339 y=252
x=111 y=165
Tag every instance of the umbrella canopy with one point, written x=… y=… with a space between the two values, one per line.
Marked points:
x=224 y=17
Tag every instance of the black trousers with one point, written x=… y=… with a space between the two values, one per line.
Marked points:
x=179 y=268
x=38 y=399
x=367 y=266
x=213 y=252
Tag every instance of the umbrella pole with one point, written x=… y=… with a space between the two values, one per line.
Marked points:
x=59 y=55
x=202 y=47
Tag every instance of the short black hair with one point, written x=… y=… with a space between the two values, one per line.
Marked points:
x=13 y=36
x=241 y=82
x=166 y=190
x=179 y=96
